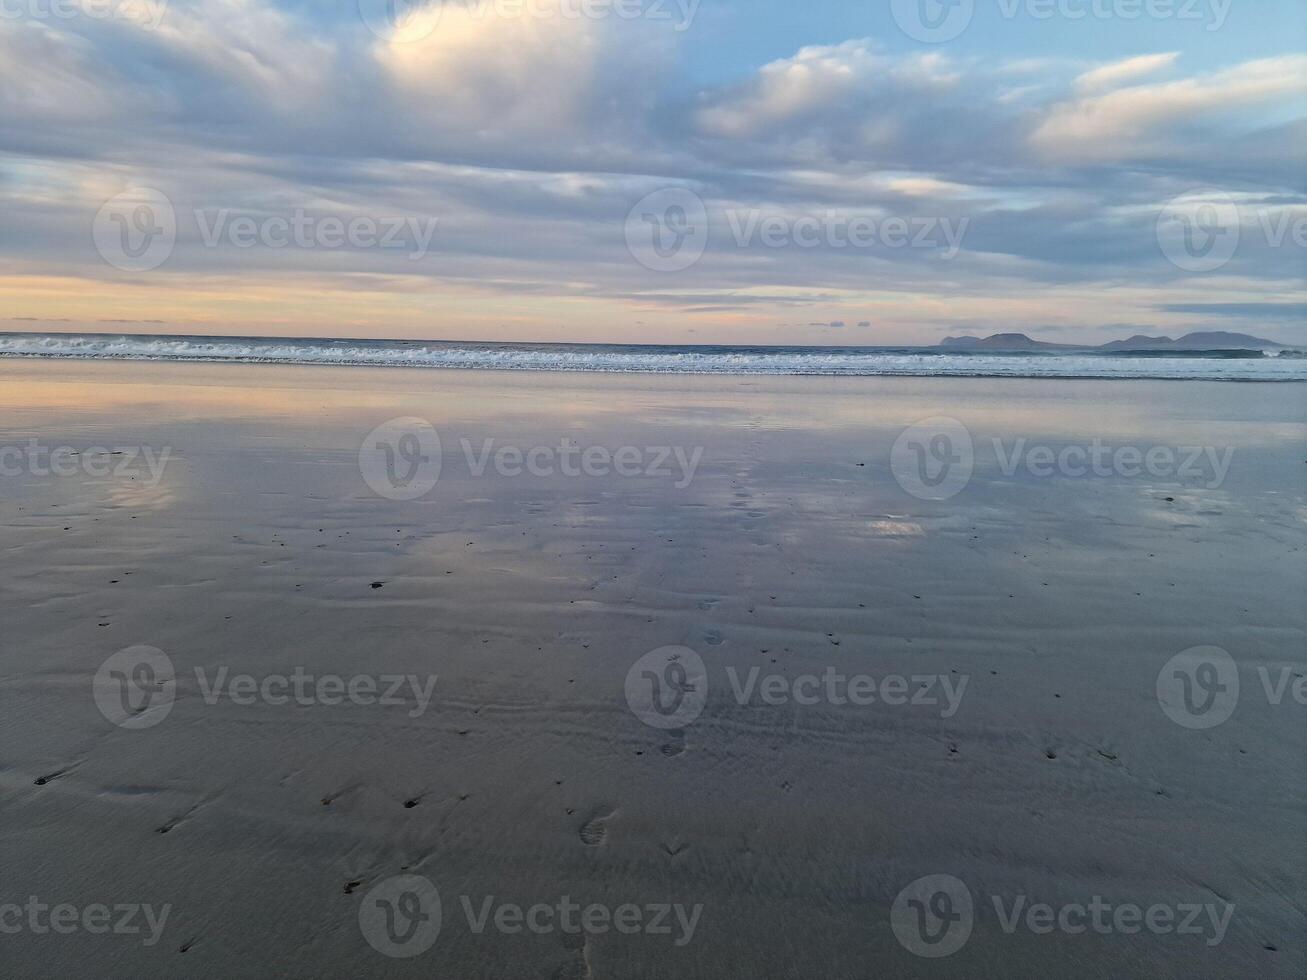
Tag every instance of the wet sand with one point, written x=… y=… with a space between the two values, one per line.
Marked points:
x=793 y=549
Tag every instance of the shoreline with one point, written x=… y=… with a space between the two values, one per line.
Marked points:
x=920 y=375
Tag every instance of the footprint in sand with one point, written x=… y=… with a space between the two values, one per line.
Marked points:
x=594 y=833
x=577 y=966
x=675 y=848
x=675 y=745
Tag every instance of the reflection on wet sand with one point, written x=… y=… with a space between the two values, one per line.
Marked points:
x=794 y=552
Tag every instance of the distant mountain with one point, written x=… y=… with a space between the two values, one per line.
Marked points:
x=1203 y=340
x=1140 y=342
x=999 y=341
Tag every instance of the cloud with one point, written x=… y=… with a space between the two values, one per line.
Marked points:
x=1159 y=120
x=49 y=78
x=846 y=101
x=530 y=139
x=1114 y=73
x=1267 y=311
x=481 y=72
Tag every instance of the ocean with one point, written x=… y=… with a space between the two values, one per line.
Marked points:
x=1220 y=365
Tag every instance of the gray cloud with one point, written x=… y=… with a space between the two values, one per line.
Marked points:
x=531 y=146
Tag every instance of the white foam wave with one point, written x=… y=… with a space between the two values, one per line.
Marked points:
x=666 y=360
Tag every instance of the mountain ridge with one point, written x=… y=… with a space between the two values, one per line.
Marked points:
x=1197 y=340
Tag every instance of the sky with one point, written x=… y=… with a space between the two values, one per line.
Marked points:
x=654 y=171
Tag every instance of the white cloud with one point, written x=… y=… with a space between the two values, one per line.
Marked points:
x=1141 y=121
x=1115 y=73
x=495 y=74
x=49 y=78
x=816 y=81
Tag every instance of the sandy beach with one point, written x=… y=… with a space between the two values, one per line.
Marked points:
x=359 y=690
